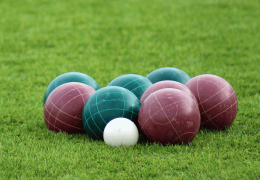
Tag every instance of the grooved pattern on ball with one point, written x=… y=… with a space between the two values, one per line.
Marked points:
x=135 y=83
x=63 y=107
x=217 y=100
x=169 y=116
x=166 y=84
x=106 y=104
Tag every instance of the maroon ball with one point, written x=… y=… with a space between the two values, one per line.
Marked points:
x=217 y=100
x=166 y=84
x=169 y=116
x=63 y=108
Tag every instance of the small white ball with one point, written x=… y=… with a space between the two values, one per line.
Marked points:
x=121 y=131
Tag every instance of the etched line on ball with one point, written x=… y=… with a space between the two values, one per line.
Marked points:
x=124 y=104
x=219 y=103
x=90 y=127
x=98 y=109
x=62 y=121
x=231 y=117
x=56 y=118
x=132 y=109
x=202 y=105
x=87 y=121
x=53 y=96
x=111 y=100
x=79 y=93
x=66 y=104
x=220 y=113
x=182 y=135
x=114 y=109
x=158 y=111
x=52 y=125
x=221 y=89
x=135 y=80
x=228 y=85
x=167 y=116
x=139 y=87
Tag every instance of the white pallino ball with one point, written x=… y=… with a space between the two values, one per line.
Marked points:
x=121 y=131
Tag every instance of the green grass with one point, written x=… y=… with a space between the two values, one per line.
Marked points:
x=40 y=40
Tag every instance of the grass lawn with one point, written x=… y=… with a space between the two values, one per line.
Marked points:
x=42 y=39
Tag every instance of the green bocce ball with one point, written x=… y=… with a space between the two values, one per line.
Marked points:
x=168 y=73
x=106 y=104
x=135 y=83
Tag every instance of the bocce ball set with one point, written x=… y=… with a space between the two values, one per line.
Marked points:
x=166 y=106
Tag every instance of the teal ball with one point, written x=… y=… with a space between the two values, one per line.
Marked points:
x=70 y=77
x=135 y=83
x=168 y=73
x=106 y=104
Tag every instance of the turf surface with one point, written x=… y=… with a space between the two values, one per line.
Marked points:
x=40 y=40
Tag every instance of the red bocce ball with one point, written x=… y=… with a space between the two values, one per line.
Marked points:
x=217 y=100
x=169 y=116
x=64 y=106
x=166 y=84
